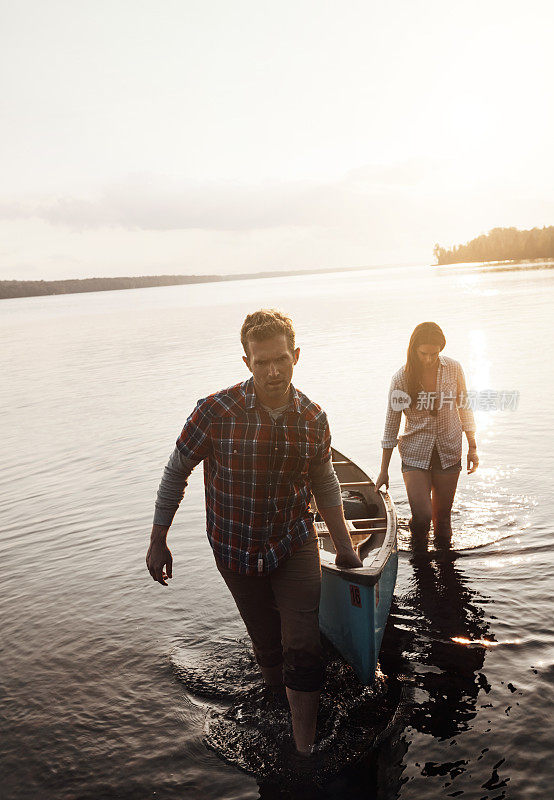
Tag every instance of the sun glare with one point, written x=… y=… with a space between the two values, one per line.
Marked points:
x=483 y=642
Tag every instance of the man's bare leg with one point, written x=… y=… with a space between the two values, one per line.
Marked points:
x=273 y=676
x=303 y=709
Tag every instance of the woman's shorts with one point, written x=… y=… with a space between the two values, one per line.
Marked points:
x=434 y=466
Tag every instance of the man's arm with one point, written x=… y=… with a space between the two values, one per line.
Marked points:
x=336 y=525
x=159 y=555
x=193 y=445
x=159 y=560
x=172 y=488
x=326 y=490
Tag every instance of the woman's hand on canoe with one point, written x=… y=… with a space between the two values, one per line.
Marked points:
x=348 y=559
x=382 y=480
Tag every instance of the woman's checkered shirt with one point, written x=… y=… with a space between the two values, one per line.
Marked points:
x=424 y=430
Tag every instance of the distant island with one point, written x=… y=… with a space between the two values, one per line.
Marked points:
x=501 y=244
x=10 y=289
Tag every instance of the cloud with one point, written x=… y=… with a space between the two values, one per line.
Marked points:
x=400 y=175
x=158 y=204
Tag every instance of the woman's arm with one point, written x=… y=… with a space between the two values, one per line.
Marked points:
x=468 y=422
x=472 y=457
x=383 y=477
x=390 y=435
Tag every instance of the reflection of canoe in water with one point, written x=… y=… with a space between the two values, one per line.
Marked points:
x=355 y=604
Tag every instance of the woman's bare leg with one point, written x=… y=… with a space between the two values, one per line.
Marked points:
x=418 y=487
x=442 y=497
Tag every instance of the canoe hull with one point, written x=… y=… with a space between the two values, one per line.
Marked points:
x=353 y=616
x=355 y=603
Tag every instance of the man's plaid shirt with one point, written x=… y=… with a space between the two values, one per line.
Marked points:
x=256 y=474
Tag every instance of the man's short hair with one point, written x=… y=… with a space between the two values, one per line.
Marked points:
x=264 y=324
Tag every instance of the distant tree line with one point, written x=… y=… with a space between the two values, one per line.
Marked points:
x=501 y=244
x=34 y=288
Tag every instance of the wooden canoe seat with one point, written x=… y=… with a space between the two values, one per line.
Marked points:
x=367 y=521
x=366 y=531
x=321 y=527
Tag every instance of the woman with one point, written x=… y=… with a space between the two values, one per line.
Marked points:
x=431 y=390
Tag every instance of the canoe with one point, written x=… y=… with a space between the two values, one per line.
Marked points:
x=355 y=603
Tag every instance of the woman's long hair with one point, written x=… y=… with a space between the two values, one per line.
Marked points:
x=424 y=333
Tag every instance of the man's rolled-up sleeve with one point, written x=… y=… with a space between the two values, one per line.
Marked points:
x=324 y=448
x=194 y=441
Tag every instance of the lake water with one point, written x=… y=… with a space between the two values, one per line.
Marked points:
x=111 y=683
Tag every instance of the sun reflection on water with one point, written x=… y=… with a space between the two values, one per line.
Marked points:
x=483 y=642
x=478 y=378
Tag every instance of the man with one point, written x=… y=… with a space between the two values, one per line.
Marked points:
x=266 y=447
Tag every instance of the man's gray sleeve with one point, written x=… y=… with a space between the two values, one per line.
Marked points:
x=325 y=485
x=172 y=488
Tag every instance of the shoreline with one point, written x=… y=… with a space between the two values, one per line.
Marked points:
x=12 y=289
x=495 y=263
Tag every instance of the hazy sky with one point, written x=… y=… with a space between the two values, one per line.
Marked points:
x=180 y=136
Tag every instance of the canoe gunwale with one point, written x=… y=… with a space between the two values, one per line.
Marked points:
x=367 y=576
